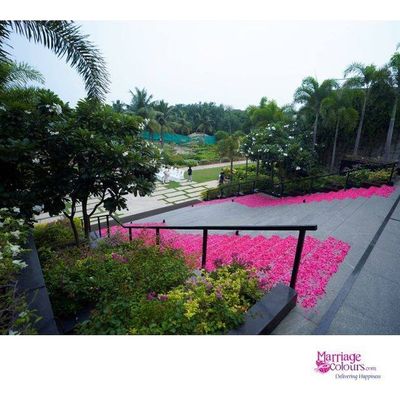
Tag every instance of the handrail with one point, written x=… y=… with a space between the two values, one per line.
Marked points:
x=282 y=183
x=206 y=228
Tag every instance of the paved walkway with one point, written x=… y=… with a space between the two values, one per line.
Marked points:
x=372 y=302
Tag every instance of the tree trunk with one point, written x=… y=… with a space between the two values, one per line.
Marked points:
x=334 y=145
x=258 y=166
x=72 y=223
x=360 y=125
x=389 y=135
x=86 y=220
x=314 y=138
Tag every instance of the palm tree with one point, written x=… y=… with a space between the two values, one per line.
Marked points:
x=311 y=94
x=364 y=77
x=17 y=75
x=337 y=110
x=118 y=106
x=230 y=147
x=64 y=38
x=265 y=113
x=163 y=115
x=394 y=79
x=140 y=102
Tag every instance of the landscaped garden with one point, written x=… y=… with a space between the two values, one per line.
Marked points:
x=69 y=162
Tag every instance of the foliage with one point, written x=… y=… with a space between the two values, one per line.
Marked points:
x=15 y=315
x=65 y=39
x=209 y=304
x=81 y=277
x=57 y=234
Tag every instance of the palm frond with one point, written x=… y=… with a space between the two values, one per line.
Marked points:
x=65 y=39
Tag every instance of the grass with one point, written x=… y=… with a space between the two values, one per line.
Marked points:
x=205 y=175
x=173 y=185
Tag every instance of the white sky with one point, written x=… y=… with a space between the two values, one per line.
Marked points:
x=229 y=62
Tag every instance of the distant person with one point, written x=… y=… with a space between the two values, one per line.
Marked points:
x=166 y=175
x=221 y=178
x=190 y=173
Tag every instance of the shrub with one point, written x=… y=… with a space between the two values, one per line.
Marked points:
x=15 y=315
x=212 y=303
x=80 y=277
x=56 y=234
x=190 y=163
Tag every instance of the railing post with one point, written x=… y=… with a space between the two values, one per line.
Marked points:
x=391 y=173
x=254 y=185
x=130 y=234
x=157 y=236
x=282 y=188
x=238 y=192
x=207 y=195
x=297 y=258
x=311 y=185
x=99 y=225
x=108 y=225
x=204 y=251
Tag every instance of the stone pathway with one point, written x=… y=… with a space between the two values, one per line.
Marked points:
x=185 y=192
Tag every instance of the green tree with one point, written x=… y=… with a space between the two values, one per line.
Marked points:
x=394 y=79
x=18 y=75
x=337 y=112
x=141 y=102
x=65 y=39
x=163 y=115
x=363 y=77
x=311 y=94
x=229 y=147
x=265 y=113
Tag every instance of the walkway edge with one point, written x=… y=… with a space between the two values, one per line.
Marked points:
x=324 y=325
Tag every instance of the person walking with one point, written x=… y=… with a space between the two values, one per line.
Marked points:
x=221 y=178
x=190 y=173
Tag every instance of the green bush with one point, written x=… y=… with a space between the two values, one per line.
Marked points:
x=79 y=277
x=56 y=234
x=209 y=304
x=15 y=315
x=190 y=163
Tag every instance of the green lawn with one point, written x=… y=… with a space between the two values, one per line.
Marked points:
x=205 y=175
x=173 y=185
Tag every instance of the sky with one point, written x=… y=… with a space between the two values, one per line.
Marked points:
x=230 y=62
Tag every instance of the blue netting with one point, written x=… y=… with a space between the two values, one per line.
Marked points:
x=176 y=138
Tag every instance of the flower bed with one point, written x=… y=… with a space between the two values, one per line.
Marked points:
x=260 y=200
x=138 y=288
x=271 y=258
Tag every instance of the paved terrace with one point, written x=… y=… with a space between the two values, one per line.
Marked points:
x=363 y=297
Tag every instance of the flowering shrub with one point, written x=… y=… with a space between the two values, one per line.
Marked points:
x=271 y=257
x=15 y=316
x=81 y=277
x=208 y=304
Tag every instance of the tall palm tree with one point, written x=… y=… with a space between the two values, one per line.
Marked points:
x=163 y=115
x=363 y=77
x=118 y=106
x=337 y=111
x=311 y=94
x=18 y=75
x=394 y=79
x=65 y=39
x=140 y=102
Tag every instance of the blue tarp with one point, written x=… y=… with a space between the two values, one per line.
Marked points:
x=176 y=138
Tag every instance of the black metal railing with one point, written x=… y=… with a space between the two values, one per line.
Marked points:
x=279 y=189
x=302 y=229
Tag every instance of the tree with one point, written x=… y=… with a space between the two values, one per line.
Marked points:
x=65 y=39
x=18 y=75
x=311 y=94
x=266 y=113
x=363 y=77
x=337 y=112
x=55 y=158
x=229 y=147
x=163 y=115
x=140 y=102
x=394 y=79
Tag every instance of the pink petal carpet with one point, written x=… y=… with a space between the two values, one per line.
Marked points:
x=271 y=258
x=260 y=200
